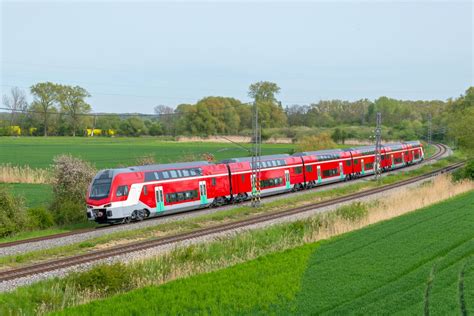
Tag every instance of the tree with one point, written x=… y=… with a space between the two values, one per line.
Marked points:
x=461 y=120
x=72 y=102
x=270 y=111
x=166 y=117
x=264 y=91
x=133 y=126
x=16 y=102
x=45 y=98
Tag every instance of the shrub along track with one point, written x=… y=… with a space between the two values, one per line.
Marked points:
x=227 y=227
x=440 y=152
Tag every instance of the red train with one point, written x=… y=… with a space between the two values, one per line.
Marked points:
x=135 y=193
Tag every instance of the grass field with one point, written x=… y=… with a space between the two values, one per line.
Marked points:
x=34 y=194
x=38 y=152
x=419 y=263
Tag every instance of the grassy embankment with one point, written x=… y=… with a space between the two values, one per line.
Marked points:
x=408 y=264
x=414 y=264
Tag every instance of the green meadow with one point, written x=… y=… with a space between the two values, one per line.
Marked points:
x=38 y=152
x=35 y=195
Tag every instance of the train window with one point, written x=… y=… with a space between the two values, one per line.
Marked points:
x=309 y=168
x=282 y=163
x=192 y=172
x=214 y=181
x=180 y=196
x=173 y=174
x=330 y=172
x=180 y=174
x=122 y=190
x=150 y=176
x=348 y=163
x=185 y=173
x=165 y=174
x=298 y=170
x=171 y=197
x=356 y=162
x=369 y=165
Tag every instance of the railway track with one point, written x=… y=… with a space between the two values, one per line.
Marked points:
x=441 y=151
x=125 y=249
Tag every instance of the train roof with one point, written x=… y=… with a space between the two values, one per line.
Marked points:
x=319 y=152
x=362 y=148
x=413 y=142
x=179 y=165
x=263 y=158
x=394 y=146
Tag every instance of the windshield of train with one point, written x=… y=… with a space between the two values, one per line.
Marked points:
x=101 y=186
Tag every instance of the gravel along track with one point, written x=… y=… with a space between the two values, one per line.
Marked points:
x=11 y=279
x=57 y=240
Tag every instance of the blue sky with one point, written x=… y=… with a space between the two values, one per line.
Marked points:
x=132 y=56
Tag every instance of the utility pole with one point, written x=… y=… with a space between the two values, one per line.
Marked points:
x=93 y=125
x=256 y=158
x=378 y=146
x=430 y=133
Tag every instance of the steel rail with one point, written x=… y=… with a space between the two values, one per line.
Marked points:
x=147 y=244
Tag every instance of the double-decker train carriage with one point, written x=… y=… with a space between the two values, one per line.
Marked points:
x=363 y=160
x=325 y=166
x=134 y=193
x=278 y=173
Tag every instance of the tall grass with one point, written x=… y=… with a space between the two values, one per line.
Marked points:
x=24 y=174
x=400 y=202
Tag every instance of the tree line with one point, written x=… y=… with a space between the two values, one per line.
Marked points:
x=62 y=110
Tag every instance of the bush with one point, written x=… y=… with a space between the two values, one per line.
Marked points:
x=321 y=141
x=111 y=279
x=12 y=213
x=467 y=172
x=39 y=218
x=71 y=178
x=352 y=212
x=66 y=212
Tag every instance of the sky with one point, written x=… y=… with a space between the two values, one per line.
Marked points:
x=132 y=56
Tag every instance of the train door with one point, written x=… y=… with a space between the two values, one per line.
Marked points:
x=341 y=170
x=319 y=175
x=362 y=166
x=160 y=202
x=393 y=161
x=287 y=179
x=203 y=192
x=253 y=183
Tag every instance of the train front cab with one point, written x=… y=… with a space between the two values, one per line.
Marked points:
x=110 y=196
